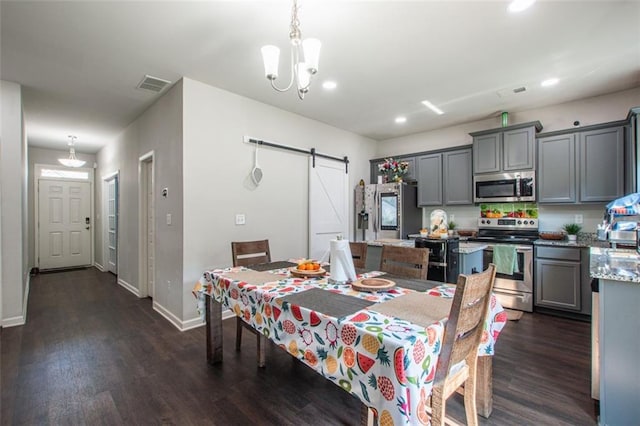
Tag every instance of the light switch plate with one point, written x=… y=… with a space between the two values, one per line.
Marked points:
x=240 y=219
x=168 y=218
x=578 y=218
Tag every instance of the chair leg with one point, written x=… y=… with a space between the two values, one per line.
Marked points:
x=470 y=408
x=238 y=333
x=438 y=405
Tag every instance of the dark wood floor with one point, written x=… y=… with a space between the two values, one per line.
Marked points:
x=93 y=353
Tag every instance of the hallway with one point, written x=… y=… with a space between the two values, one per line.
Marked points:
x=93 y=353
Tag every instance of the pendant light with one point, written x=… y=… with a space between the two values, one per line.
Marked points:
x=72 y=161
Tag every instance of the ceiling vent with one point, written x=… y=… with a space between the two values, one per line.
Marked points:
x=153 y=84
x=505 y=93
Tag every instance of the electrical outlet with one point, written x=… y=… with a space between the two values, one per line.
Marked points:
x=577 y=218
x=240 y=219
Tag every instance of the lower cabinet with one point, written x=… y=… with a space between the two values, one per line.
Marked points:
x=562 y=279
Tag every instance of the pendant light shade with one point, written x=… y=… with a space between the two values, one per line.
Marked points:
x=72 y=161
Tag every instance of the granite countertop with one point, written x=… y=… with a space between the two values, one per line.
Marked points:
x=468 y=248
x=585 y=240
x=392 y=241
x=615 y=264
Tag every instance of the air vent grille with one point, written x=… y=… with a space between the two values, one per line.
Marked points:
x=519 y=89
x=153 y=84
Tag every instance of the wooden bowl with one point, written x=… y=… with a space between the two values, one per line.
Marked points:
x=307 y=274
x=552 y=235
x=372 y=284
x=466 y=232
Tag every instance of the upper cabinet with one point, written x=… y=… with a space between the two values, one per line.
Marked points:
x=505 y=149
x=445 y=178
x=457 y=177
x=430 y=180
x=582 y=167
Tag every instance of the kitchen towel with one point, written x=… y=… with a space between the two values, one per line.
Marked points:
x=505 y=258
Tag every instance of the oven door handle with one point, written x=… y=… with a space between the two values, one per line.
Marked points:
x=519 y=249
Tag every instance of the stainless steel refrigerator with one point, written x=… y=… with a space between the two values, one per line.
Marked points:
x=386 y=211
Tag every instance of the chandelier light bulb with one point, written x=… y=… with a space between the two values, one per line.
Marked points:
x=311 y=49
x=270 y=57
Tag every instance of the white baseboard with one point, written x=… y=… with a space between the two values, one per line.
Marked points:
x=129 y=287
x=13 y=321
x=20 y=319
x=188 y=324
x=98 y=266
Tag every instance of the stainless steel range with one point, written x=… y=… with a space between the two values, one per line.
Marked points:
x=514 y=291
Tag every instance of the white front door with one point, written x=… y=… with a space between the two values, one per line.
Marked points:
x=64 y=232
x=328 y=206
x=112 y=225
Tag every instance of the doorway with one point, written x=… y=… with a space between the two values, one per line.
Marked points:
x=63 y=217
x=146 y=203
x=110 y=192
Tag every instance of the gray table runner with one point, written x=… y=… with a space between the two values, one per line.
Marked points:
x=327 y=302
x=271 y=265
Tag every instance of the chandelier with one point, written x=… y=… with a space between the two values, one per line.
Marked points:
x=72 y=161
x=304 y=58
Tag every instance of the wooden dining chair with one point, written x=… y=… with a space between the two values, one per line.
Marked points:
x=359 y=254
x=247 y=253
x=457 y=364
x=407 y=262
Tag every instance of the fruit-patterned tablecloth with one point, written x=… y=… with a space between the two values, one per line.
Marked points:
x=388 y=363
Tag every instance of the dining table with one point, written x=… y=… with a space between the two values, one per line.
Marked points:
x=369 y=343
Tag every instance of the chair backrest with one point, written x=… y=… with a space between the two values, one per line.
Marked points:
x=359 y=254
x=245 y=253
x=465 y=325
x=407 y=262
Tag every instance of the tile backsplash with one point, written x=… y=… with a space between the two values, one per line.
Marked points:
x=550 y=218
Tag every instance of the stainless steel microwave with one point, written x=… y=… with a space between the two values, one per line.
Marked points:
x=504 y=187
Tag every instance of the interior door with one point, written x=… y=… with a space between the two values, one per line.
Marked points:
x=328 y=205
x=112 y=225
x=64 y=228
x=150 y=228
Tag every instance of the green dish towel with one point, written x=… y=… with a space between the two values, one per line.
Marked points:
x=505 y=259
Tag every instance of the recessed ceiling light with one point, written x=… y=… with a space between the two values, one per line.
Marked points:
x=549 y=82
x=401 y=120
x=519 y=5
x=432 y=107
x=329 y=85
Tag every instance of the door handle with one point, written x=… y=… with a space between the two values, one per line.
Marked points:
x=88 y=227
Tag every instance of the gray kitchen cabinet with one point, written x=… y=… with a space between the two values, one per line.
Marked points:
x=562 y=279
x=582 y=167
x=601 y=164
x=518 y=148
x=374 y=170
x=505 y=149
x=556 y=169
x=458 y=177
x=429 y=169
x=487 y=152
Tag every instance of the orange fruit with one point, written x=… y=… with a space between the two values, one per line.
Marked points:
x=316 y=266
x=349 y=357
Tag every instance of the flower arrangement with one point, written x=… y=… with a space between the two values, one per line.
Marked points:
x=393 y=170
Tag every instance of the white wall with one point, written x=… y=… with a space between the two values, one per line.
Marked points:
x=14 y=272
x=600 y=109
x=43 y=156
x=217 y=184
x=158 y=129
